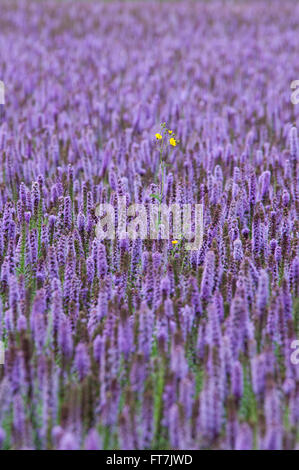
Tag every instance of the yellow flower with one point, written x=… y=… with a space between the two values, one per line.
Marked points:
x=172 y=142
x=158 y=136
x=169 y=131
x=174 y=242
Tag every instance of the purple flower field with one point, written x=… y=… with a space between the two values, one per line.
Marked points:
x=143 y=344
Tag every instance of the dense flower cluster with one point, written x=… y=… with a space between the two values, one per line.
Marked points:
x=139 y=344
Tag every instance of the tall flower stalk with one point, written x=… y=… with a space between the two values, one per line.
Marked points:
x=165 y=141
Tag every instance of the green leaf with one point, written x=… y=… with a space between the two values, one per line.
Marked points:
x=156 y=197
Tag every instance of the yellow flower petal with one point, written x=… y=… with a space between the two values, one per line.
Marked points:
x=158 y=136
x=172 y=142
x=174 y=242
